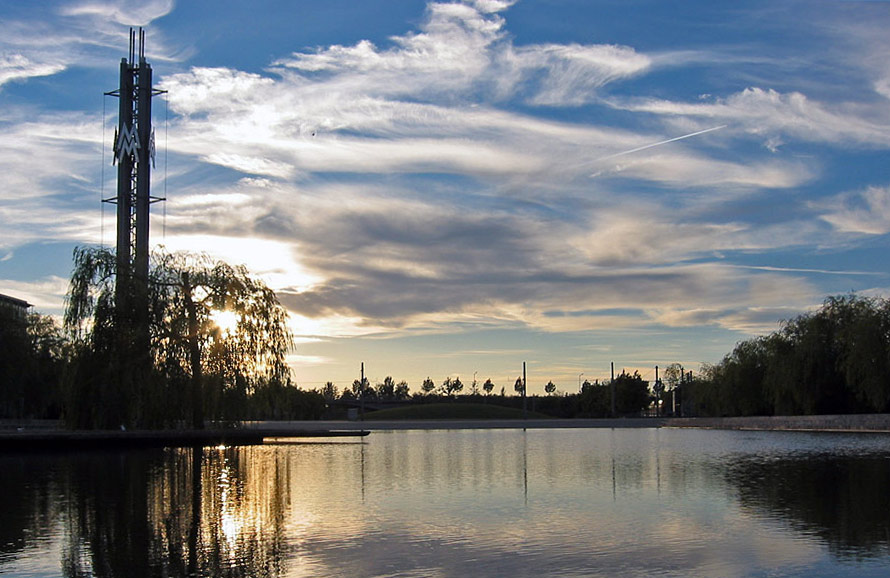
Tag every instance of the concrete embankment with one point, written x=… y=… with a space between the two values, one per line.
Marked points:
x=28 y=437
x=835 y=423
x=433 y=424
x=53 y=440
x=879 y=423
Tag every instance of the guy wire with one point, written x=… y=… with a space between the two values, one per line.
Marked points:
x=102 y=183
x=166 y=131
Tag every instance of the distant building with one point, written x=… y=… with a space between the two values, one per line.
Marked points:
x=16 y=307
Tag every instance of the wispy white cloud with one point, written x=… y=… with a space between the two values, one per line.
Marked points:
x=432 y=102
x=462 y=50
x=771 y=116
x=125 y=12
x=441 y=180
x=19 y=66
x=865 y=212
x=50 y=163
x=451 y=52
x=686 y=170
x=43 y=294
x=569 y=75
x=75 y=33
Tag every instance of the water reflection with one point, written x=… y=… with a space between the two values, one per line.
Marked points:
x=845 y=500
x=457 y=503
x=183 y=512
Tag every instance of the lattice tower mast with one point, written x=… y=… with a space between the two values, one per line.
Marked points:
x=134 y=152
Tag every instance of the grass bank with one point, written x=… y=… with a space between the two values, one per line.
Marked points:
x=436 y=411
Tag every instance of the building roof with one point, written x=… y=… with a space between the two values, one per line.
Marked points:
x=8 y=301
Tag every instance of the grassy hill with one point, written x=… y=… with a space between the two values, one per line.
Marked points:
x=452 y=411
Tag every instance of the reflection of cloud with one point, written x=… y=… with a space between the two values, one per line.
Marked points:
x=498 y=503
x=578 y=502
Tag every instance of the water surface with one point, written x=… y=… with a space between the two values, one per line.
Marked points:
x=564 y=503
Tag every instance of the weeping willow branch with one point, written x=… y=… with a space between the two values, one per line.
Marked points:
x=185 y=292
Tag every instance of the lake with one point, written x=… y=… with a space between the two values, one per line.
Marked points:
x=458 y=503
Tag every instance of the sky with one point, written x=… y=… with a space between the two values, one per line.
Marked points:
x=451 y=189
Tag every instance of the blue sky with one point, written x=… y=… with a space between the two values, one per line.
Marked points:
x=448 y=189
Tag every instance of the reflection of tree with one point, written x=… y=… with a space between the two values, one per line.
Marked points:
x=28 y=508
x=107 y=527
x=844 y=500
x=180 y=512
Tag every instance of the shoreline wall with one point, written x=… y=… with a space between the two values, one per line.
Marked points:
x=875 y=422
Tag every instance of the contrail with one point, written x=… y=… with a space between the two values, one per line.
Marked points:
x=655 y=144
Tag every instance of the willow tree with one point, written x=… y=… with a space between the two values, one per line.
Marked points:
x=217 y=325
x=215 y=332
x=97 y=395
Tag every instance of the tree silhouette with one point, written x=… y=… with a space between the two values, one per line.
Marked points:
x=402 y=390
x=329 y=391
x=217 y=365
x=387 y=389
x=33 y=357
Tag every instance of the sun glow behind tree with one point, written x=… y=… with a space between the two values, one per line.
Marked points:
x=216 y=332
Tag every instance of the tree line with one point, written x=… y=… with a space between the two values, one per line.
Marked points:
x=835 y=360
x=632 y=395
x=87 y=372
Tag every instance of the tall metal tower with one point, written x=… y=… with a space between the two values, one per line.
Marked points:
x=134 y=152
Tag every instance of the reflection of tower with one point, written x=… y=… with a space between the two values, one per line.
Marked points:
x=134 y=151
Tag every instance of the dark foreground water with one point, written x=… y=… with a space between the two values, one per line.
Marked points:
x=459 y=503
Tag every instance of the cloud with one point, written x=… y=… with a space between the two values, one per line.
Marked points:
x=864 y=212
x=19 y=67
x=76 y=34
x=451 y=53
x=435 y=264
x=569 y=75
x=685 y=170
x=437 y=180
x=50 y=162
x=771 y=115
x=44 y=294
x=125 y=12
x=462 y=50
x=882 y=86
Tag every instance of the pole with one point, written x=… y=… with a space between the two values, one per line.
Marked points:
x=361 y=393
x=682 y=389
x=524 y=382
x=612 y=388
x=657 y=394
